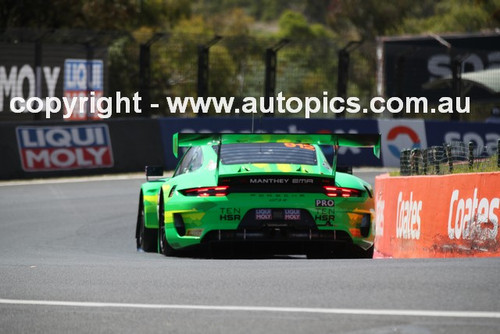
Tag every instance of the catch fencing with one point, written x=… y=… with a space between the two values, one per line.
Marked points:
x=174 y=64
x=455 y=157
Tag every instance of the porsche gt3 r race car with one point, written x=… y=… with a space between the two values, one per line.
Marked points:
x=265 y=192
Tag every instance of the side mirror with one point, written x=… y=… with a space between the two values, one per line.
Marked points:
x=153 y=171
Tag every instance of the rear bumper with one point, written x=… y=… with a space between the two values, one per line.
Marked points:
x=278 y=235
x=279 y=241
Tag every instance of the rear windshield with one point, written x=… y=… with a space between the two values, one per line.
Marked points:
x=277 y=153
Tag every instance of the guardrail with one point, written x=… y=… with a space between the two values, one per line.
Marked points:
x=455 y=157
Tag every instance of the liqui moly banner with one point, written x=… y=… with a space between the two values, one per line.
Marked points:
x=66 y=70
x=46 y=148
x=81 y=77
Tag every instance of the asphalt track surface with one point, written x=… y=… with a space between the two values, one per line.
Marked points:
x=68 y=264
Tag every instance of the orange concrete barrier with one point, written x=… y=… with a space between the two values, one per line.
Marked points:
x=437 y=216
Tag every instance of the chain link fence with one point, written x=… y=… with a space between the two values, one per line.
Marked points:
x=236 y=67
x=455 y=157
x=167 y=64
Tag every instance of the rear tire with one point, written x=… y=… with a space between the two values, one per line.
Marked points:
x=163 y=245
x=145 y=237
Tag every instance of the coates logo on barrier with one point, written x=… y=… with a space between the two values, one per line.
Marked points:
x=379 y=214
x=44 y=148
x=473 y=218
x=408 y=221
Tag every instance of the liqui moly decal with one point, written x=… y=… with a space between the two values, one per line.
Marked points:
x=45 y=148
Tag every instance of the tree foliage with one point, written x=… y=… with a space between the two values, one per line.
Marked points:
x=92 y=14
x=317 y=29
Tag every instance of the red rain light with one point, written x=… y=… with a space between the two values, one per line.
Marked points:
x=341 y=192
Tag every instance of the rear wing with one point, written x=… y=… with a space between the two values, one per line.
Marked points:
x=340 y=139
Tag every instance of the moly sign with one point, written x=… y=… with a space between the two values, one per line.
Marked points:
x=62 y=71
x=45 y=148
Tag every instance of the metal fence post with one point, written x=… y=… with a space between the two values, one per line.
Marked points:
x=270 y=77
x=424 y=161
x=449 y=158
x=471 y=155
x=271 y=63
x=498 y=153
x=436 y=160
x=415 y=154
x=145 y=73
x=202 y=82
x=343 y=70
x=38 y=74
x=456 y=72
x=404 y=162
x=203 y=67
x=145 y=77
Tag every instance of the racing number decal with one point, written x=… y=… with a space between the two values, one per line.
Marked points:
x=302 y=146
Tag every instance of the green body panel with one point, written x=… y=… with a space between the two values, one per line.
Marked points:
x=209 y=214
x=150 y=192
x=201 y=215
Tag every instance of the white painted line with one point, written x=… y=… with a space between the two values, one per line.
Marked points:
x=72 y=180
x=77 y=179
x=408 y=313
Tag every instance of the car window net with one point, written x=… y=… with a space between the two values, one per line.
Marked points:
x=277 y=153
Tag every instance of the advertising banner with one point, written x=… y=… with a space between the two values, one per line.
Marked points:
x=398 y=135
x=47 y=148
x=406 y=65
x=50 y=71
x=437 y=216
x=482 y=135
x=83 y=78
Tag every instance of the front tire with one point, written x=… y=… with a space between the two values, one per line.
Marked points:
x=163 y=245
x=145 y=237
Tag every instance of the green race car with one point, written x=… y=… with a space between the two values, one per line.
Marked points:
x=273 y=193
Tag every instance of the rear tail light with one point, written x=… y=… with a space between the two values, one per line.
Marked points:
x=341 y=192
x=219 y=191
